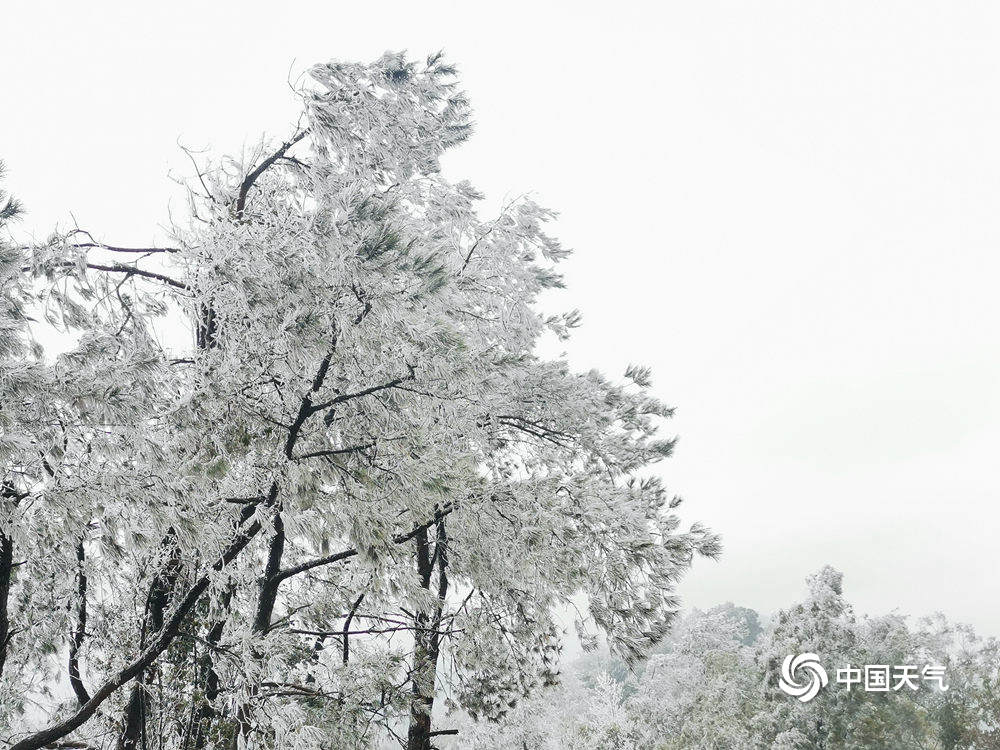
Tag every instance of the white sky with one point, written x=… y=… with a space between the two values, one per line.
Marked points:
x=788 y=209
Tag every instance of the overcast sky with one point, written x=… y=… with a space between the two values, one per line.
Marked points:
x=788 y=209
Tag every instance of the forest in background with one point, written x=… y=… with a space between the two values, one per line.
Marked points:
x=712 y=685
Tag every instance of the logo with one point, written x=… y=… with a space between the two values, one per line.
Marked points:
x=814 y=674
x=802 y=677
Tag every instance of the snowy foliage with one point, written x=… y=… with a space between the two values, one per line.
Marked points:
x=713 y=685
x=358 y=488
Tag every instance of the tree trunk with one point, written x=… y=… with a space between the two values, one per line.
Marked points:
x=268 y=595
x=76 y=640
x=206 y=713
x=6 y=572
x=427 y=639
x=9 y=497
x=160 y=592
x=271 y=581
x=266 y=599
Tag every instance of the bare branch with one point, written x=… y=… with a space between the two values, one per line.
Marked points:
x=132 y=250
x=349 y=553
x=120 y=268
x=250 y=179
x=367 y=391
x=338 y=452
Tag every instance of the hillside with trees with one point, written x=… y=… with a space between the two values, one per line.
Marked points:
x=713 y=684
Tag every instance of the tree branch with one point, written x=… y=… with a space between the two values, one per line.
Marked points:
x=337 y=452
x=347 y=627
x=349 y=553
x=133 y=250
x=250 y=179
x=120 y=268
x=367 y=391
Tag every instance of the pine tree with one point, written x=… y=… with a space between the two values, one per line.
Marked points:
x=359 y=492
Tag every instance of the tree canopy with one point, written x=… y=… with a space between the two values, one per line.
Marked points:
x=352 y=489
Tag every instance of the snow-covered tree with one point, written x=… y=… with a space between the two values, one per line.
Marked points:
x=15 y=377
x=710 y=686
x=358 y=488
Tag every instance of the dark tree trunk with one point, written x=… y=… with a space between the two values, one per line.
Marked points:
x=76 y=640
x=209 y=723
x=266 y=599
x=427 y=639
x=6 y=573
x=9 y=499
x=160 y=592
x=135 y=717
x=270 y=582
x=206 y=713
